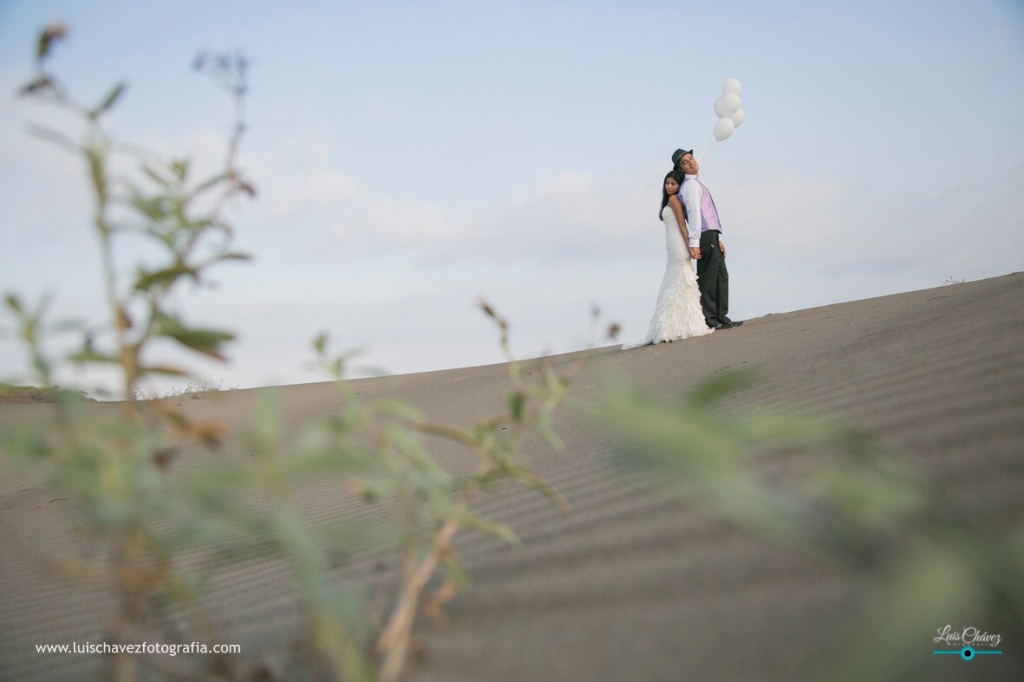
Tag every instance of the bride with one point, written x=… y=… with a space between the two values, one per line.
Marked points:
x=677 y=314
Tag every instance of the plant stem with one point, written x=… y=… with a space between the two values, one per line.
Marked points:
x=394 y=640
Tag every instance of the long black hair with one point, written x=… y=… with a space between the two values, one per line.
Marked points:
x=664 y=195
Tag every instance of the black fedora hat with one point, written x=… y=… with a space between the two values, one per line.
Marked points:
x=678 y=154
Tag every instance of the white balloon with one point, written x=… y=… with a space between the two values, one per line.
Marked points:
x=732 y=86
x=723 y=129
x=726 y=105
x=730 y=103
x=737 y=118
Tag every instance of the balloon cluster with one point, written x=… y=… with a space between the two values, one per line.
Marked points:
x=727 y=108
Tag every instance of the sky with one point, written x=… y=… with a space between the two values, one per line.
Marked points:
x=413 y=157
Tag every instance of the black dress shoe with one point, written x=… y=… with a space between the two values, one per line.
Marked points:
x=730 y=324
x=714 y=325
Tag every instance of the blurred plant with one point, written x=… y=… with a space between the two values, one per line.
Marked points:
x=118 y=460
x=117 y=465
x=160 y=203
x=856 y=504
x=428 y=504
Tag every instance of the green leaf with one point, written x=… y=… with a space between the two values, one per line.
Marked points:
x=89 y=355
x=109 y=100
x=205 y=341
x=180 y=168
x=351 y=534
x=165 y=277
x=534 y=481
x=499 y=530
x=153 y=175
x=97 y=172
x=320 y=343
x=193 y=225
x=398 y=409
x=56 y=137
x=719 y=385
x=50 y=35
x=517 y=406
x=155 y=208
x=210 y=183
x=163 y=369
x=41 y=83
x=14 y=303
x=41 y=365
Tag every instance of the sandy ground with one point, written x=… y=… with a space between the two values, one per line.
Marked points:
x=632 y=584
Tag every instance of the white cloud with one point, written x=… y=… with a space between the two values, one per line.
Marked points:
x=410 y=224
x=789 y=214
x=320 y=189
x=569 y=213
x=576 y=213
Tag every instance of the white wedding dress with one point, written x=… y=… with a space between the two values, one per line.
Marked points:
x=677 y=314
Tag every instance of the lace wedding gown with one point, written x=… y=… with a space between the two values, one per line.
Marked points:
x=677 y=314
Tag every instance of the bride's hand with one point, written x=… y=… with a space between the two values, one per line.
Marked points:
x=695 y=254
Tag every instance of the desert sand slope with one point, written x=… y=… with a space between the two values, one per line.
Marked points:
x=631 y=584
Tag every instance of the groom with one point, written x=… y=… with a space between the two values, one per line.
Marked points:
x=705 y=243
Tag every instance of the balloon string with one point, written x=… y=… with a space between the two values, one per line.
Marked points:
x=707 y=145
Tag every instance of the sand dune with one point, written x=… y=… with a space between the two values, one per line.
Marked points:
x=632 y=584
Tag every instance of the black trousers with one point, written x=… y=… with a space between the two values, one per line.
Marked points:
x=713 y=280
